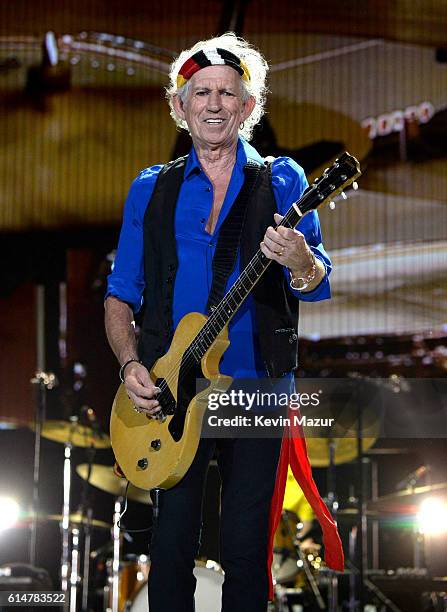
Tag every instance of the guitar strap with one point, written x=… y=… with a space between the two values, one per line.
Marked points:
x=230 y=234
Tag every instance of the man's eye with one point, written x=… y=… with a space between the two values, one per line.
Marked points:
x=228 y=93
x=201 y=93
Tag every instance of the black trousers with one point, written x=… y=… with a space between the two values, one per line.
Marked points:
x=248 y=471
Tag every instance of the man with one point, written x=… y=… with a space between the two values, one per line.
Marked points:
x=165 y=259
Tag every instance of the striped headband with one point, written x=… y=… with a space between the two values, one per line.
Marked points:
x=211 y=57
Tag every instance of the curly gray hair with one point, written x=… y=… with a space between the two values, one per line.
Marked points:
x=256 y=87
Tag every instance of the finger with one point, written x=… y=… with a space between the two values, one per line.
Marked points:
x=278 y=218
x=286 y=233
x=268 y=253
x=141 y=385
x=137 y=390
x=150 y=411
x=143 y=402
x=274 y=240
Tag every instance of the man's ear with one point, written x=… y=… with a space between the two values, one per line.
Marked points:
x=178 y=106
x=249 y=105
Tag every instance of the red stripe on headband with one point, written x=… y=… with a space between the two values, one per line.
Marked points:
x=189 y=68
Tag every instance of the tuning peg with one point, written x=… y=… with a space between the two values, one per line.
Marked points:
x=355 y=185
x=343 y=195
x=332 y=205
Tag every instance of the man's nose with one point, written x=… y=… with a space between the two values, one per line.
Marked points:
x=214 y=101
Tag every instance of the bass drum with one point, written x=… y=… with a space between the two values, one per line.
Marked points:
x=208 y=595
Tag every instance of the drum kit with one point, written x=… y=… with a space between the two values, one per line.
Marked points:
x=301 y=579
x=303 y=582
x=300 y=575
x=124 y=578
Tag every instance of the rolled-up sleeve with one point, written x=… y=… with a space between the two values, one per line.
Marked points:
x=126 y=281
x=289 y=183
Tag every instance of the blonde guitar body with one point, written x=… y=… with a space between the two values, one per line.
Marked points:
x=144 y=448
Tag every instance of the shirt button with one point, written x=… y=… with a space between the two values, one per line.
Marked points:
x=208 y=189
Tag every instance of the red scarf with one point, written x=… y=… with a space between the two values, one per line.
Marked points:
x=294 y=452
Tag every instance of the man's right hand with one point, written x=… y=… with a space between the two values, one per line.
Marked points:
x=141 y=390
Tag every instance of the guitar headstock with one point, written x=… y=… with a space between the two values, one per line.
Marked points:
x=343 y=172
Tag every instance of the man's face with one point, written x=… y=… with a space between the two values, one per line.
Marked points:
x=214 y=107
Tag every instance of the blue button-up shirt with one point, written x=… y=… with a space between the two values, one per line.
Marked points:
x=196 y=247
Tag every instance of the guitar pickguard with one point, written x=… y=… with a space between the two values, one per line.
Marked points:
x=186 y=391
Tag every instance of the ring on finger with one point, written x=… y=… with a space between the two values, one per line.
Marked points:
x=137 y=409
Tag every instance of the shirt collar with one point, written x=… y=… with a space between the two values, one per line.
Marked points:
x=244 y=153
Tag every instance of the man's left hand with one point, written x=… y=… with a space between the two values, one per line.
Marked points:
x=289 y=248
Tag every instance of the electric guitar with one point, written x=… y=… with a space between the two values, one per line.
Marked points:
x=156 y=453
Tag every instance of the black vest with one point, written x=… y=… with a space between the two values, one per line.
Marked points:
x=276 y=307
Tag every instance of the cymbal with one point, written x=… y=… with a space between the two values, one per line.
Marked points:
x=345 y=449
x=76 y=434
x=389 y=451
x=406 y=502
x=344 y=430
x=76 y=518
x=353 y=513
x=104 y=478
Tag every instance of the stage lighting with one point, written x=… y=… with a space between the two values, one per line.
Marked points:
x=432 y=516
x=9 y=512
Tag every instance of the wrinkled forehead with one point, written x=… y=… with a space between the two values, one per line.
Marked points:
x=216 y=77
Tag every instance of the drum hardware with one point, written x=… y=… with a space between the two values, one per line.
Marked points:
x=74 y=567
x=373 y=588
x=133 y=574
x=65 y=554
x=44 y=382
x=332 y=504
x=116 y=538
x=290 y=562
x=71 y=433
x=362 y=494
x=305 y=565
x=208 y=593
x=86 y=563
x=85 y=509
